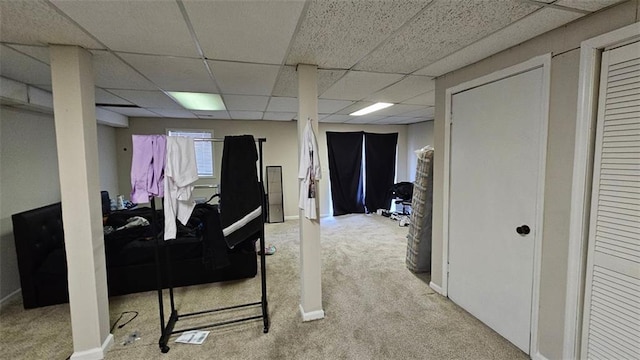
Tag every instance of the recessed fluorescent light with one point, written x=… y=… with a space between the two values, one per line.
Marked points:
x=370 y=109
x=198 y=101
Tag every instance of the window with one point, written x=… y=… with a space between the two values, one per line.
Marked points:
x=204 y=149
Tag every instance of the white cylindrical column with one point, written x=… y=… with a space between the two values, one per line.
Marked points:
x=77 y=144
x=310 y=251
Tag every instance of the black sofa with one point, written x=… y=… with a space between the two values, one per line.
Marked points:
x=130 y=255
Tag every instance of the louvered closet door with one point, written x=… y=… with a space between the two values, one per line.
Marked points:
x=611 y=327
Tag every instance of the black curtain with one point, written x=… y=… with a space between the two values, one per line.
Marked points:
x=345 y=172
x=380 y=163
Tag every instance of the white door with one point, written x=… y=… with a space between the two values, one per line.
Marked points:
x=494 y=183
x=611 y=324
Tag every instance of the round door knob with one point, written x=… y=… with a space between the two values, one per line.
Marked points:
x=523 y=230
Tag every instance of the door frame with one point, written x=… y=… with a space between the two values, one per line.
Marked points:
x=544 y=62
x=586 y=120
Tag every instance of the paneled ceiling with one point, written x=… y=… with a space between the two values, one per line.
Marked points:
x=366 y=50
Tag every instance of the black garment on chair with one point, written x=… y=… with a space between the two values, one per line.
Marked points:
x=380 y=154
x=240 y=192
x=345 y=172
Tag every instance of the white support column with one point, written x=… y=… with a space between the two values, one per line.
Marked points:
x=76 y=138
x=310 y=251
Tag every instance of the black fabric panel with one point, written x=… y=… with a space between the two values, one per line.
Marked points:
x=345 y=172
x=380 y=155
x=240 y=192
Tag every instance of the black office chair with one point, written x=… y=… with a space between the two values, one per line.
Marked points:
x=402 y=193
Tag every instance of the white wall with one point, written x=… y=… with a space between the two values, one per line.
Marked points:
x=281 y=149
x=107 y=159
x=29 y=176
x=418 y=136
x=564 y=45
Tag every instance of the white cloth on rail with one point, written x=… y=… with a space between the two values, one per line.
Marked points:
x=309 y=172
x=180 y=173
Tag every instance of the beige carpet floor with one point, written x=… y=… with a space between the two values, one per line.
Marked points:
x=375 y=309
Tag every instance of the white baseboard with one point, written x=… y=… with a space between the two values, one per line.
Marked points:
x=435 y=287
x=313 y=315
x=292 y=217
x=95 y=353
x=5 y=300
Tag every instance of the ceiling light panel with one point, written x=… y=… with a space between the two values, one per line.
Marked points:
x=372 y=108
x=252 y=31
x=355 y=107
x=356 y=85
x=518 y=32
x=111 y=73
x=404 y=89
x=23 y=68
x=246 y=102
x=399 y=109
x=37 y=23
x=159 y=28
x=148 y=99
x=244 y=79
x=321 y=39
x=173 y=73
x=451 y=25
x=198 y=101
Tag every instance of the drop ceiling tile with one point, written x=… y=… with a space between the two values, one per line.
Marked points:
x=394 y=120
x=135 y=112
x=173 y=73
x=446 y=26
x=404 y=89
x=173 y=113
x=365 y=119
x=331 y=106
x=287 y=83
x=246 y=115
x=105 y=97
x=110 y=72
x=147 y=99
x=38 y=52
x=322 y=38
x=280 y=116
x=246 y=102
x=537 y=23
x=37 y=23
x=159 y=29
x=283 y=104
x=424 y=112
x=252 y=31
x=219 y=114
x=336 y=118
x=244 y=79
x=356 y=85
x=22 y=68
x=428 y=98
x=589 y=5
